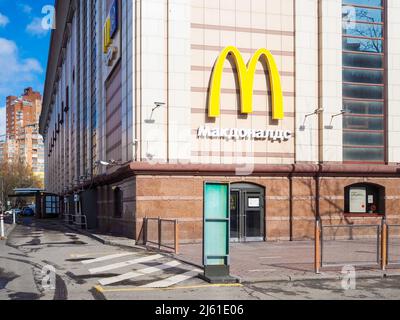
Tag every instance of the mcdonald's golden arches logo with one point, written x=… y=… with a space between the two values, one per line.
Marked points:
x=246 y=75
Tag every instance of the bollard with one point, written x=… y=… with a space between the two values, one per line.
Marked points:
x=317 y=261
x=176 y=237
x=2 y=235
x=159 y=233
x=14 y=218
x=384 y=259
x=145 y=226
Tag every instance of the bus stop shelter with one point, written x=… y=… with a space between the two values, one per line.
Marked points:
x=47 y=205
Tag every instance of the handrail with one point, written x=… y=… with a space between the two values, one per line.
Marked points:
x=389 y=261
x=381 y=235
x=159 y=229
x=84 y=223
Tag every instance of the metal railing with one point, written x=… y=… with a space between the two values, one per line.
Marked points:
x=340 y=245
x=155 y=233
x=393 y=244
x=351 y=247
x=76 y=219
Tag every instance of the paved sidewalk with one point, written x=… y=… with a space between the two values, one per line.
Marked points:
x=121 y=242
x=280 y=261
x=291 y=261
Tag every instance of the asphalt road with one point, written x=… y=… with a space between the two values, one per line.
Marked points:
x=44 y=260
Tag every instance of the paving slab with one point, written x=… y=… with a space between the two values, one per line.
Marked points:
x=279 y=261
x=291 y=261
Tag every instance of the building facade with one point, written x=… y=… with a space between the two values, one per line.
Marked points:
x=292 y=102
x=22 y=139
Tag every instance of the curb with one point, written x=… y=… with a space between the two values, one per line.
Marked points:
x=102 y=240
x=337 y=277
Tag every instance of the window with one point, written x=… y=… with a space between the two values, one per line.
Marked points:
x=364 y=78
x=52 y=204
x=364 y=198
x=118 y=202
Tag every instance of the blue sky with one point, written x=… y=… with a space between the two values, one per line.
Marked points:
x=24 y=46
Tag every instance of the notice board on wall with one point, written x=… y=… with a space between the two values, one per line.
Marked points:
x=358 y=200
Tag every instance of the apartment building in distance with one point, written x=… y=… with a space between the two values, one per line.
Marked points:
x=22 y=139
x=3 y=147
x=147 y=100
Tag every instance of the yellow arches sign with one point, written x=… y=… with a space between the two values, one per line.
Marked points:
x=246 y=81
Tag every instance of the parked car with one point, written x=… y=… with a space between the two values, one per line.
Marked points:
x=27 y=211
x=12 y=211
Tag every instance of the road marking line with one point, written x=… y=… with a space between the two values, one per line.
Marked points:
x=110 y=257
x=173 y=280
x=103 y=290
x=138 y=273
x=76 y=255
x=124 y=264
x=262 y=270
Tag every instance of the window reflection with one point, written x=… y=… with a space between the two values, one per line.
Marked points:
x=371 y=3
x=363 y=107
x=364 y=30
x=363 y=123
x=363 y=45
x=363 y=154
x=363 y=139
x=364 y=79
x=363 y=92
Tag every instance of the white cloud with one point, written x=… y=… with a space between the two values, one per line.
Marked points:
x=16 y=73
x=3 y=20
x=2 y=120
x=25 y=8
x=35 y=28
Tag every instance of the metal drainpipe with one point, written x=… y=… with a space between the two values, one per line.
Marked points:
x=320 y=115
x=291 y=202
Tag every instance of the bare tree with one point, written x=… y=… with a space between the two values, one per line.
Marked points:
x=17 y=174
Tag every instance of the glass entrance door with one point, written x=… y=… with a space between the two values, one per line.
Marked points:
x=254 y=216
x=235 y=216
x=247 y=213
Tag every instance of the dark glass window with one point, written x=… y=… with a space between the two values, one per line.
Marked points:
x=364 y=139
x=363 y=76
x=364 y=107
x=362 y=60
x=363 y=154
x=364 y=81
x=363 y=92
x=118 y=202
x=363 y=123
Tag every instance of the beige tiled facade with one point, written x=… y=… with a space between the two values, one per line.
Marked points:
x=249 y=26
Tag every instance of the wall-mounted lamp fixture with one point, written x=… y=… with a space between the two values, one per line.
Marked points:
x=330 y=126
x=316 y=112
x=149 y=156
x=111 y=163
x=157 y=106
